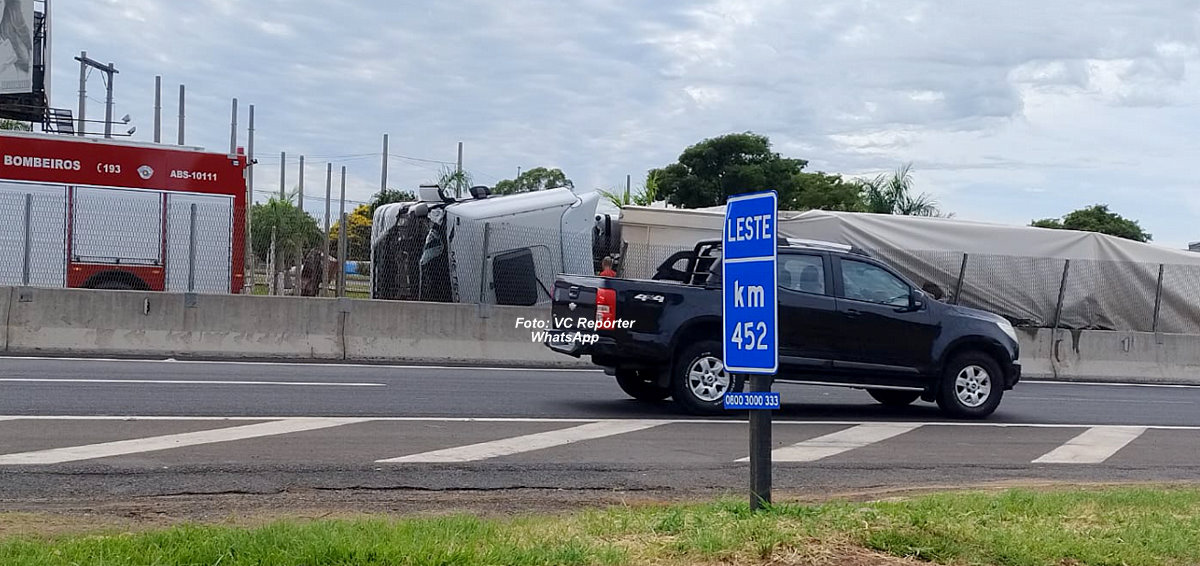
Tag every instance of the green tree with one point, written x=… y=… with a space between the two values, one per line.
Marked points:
x=453 y=181
x=14 y=125
x=295 y=231
x=893 y=194
x=711 y=171
x=824 y=191
x=358 y=236
x=646 y=195
x=535 y=179
x=1097 y=218
x=388 y=196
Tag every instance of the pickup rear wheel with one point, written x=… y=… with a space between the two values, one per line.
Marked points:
x=699 y=381
x=894 y=398
x=971 y=386
x=640 y=385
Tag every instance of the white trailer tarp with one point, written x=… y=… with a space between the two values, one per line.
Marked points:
x=1016 y=271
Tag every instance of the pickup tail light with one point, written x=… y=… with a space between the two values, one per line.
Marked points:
x=606 y=308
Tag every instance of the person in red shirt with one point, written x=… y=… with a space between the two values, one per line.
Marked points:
x=606 y=269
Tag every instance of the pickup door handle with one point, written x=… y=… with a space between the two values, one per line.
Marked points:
x=853 y=313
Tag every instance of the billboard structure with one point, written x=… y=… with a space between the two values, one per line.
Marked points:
x=16 y=46
x=24 y=48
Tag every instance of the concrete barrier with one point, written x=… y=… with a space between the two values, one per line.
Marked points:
x=81 y=322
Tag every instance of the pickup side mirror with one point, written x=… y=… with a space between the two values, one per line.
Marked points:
x=916 y=300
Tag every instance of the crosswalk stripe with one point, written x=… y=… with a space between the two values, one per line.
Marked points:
x=527 y=443
x=1092 y=446
x=841 y=441
x=154 y=443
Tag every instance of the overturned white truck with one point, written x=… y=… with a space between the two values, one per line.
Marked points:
x=488 y=249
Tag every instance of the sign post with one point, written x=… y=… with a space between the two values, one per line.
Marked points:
x=751 y=322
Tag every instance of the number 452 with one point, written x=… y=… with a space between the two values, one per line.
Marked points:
x=744 y=337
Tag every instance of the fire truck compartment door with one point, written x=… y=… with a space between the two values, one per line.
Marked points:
x=122 y=226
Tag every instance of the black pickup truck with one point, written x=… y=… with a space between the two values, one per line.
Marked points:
x=845 y=319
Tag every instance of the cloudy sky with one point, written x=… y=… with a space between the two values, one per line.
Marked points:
x=1009 y=111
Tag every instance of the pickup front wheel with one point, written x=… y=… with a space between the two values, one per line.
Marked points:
x=699 y=381
x=971 y=386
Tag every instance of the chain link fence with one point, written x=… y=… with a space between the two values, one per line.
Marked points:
x=182 y=242
x=105 y=238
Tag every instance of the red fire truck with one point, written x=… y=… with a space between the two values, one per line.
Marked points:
x=102 y=214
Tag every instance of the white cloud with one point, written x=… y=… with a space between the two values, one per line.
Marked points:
x=1009 y=111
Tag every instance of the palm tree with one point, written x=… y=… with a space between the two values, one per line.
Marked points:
x=645 y=197
x=893 y=195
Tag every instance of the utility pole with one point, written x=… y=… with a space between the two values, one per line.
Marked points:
x=158 y=109
x=329 y=192
x=341 y=280
x=82 y=129
x=458 y=173
x=325 y=236
x=181 y=114
x=383 y=175
x=250 y=202
x=109 y=70
x=282 y=174
x=233 y=131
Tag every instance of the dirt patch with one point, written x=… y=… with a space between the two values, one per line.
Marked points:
x=49 y=517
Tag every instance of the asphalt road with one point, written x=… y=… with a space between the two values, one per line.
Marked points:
x=111 y=429
x=101 y=387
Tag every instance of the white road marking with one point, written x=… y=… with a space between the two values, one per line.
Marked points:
x=1111 y=384
x=1093 y=446
x=190 y=382
x=526 y=443
x=313 y=363
x=841 y=441
x=154 y=443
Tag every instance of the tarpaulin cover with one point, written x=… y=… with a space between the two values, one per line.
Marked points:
x=1015 y=271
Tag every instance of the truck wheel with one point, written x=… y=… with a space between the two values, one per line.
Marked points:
x=639 y=386
x=971 y=386
x=894 y=398
x=699 y=381
x=114 y=285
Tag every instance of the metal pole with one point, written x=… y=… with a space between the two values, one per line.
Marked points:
x=325 y=237
x=483 y=264
x=108 y=102
x=28 y=239
x=383 y=175
x=458 y=173
x=300 y=197
x=249 y=203
x=181 y=113
x=46 y=55
x=962 y=274
x=1062 y=292
x=233 y=131
x=82 y=93
x=341 y=290
x=158 y=109
x=1157 y=298
x=282 y=174
x=192 y=251
x=271 y=265
x=760 y=448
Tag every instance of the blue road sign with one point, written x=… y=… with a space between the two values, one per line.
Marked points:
x=750 y=310
x=763 y=400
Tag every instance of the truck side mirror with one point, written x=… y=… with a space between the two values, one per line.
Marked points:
x=916 y=300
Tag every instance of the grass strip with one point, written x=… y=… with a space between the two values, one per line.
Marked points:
x=1110 y=526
